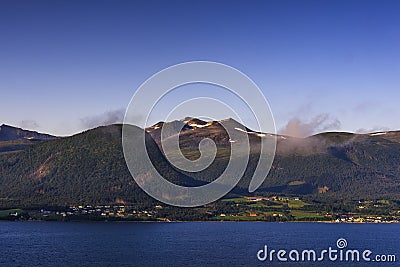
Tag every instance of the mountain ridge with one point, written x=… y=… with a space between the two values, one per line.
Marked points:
x=90 y=168
x=9 y=133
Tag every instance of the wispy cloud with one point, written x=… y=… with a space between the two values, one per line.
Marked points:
x=298 y=128
x=29 y=124
x=107 y=118
x=372 y=130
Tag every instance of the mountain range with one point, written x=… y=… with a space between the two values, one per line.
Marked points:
x=9 y=133
x=89 y=168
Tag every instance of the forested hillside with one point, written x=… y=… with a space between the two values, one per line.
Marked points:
x=89 y=168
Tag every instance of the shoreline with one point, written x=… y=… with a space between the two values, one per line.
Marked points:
x=210 y=221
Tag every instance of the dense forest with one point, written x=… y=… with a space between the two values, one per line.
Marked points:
x=89 y=168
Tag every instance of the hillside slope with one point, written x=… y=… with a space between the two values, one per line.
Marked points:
x=90 y=168
x=85 y=168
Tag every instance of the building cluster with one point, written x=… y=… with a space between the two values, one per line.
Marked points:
x=273 y=198
x=105 y=211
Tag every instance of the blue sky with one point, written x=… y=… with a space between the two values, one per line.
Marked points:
x=66 y=66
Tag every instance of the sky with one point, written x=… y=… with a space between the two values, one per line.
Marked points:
x=67 y=66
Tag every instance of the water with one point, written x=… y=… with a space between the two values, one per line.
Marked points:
x=183 y=244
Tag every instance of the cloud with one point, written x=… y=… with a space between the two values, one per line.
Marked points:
x=107 y=118
x=323 y=122
x=372 y=130
x=29 y=124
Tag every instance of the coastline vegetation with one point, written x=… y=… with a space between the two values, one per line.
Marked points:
x=268 y=209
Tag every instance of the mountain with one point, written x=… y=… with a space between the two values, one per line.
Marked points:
x=9 y=133
x=90 y=168
x=192 y=131
x=339 y=165
x=14 y=139
x=85 y=168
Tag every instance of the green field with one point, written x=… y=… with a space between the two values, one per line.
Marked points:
x=295 y=204
x=299 y=214
x=235 y=200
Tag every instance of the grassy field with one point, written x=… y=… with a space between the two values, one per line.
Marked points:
x=236 y=200
x=295 y=204
x=299 y=214
x=260 y=204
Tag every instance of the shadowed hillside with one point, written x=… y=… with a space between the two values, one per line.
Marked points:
x=90 y=167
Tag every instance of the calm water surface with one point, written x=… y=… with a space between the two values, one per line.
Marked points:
x=183 y=244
